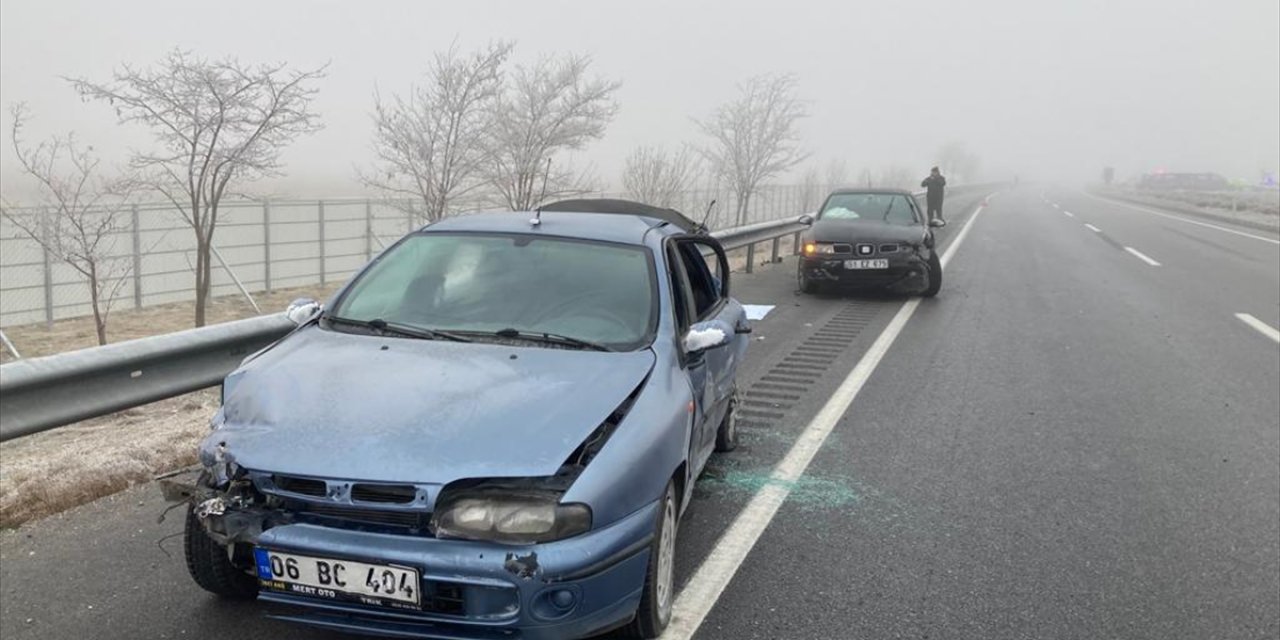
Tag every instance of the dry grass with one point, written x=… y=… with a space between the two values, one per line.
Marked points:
x=48 y=472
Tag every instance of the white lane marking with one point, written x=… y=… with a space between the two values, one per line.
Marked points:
x=1186 y=220
x=1055 y=205
x=1068 y=213
x=1092 y=228
x=704 y=588
x=1262 y=327
x=1141 y=256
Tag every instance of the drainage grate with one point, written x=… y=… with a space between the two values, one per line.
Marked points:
x=809 y=359
x=756 y=393
x=768 y=401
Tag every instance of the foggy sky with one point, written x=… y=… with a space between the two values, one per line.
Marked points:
x=1041 y=91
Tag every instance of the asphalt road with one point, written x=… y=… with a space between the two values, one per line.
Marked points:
x=1067 y=442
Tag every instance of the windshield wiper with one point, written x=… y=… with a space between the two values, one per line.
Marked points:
x=889 y=208
x=405 y=330
x=549 y=338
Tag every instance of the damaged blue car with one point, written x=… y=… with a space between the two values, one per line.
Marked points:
x=490 y=432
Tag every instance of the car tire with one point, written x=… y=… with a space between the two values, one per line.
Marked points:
x=654 y=612
x=727 y=432
x=806 y=285
x=210 y=566
x=935 y=276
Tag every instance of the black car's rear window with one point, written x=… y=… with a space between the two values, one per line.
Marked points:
x=595 y=291
x=893 y=208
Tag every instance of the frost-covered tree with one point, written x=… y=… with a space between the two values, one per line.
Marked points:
x=430 y=143
x=755 y=137
x=547 y=109
x=655 y=176
x=217 y=124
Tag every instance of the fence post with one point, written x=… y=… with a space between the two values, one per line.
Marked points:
x=322 y=279
x=137 y=259
x=368 y=230
x=266 y=246
x=48 y=289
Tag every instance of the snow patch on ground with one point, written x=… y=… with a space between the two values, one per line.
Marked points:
x=757 y=311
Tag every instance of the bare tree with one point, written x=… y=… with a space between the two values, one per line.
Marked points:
x=837 y=173
x=654 y=176
x=754 y=137
x=956 y=161
x=79 y=217
x=216 y=123
x=897 y=177
x=547 y=109
x=430 y=145
x=810 y=191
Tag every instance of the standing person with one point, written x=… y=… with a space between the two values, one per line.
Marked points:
x=934 y=185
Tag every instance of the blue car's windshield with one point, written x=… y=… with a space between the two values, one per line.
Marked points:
x=591 y=291
x=892 y=208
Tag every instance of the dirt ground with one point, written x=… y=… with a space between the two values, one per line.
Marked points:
x=49 y=472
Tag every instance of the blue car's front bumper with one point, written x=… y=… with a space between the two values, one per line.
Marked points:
x=478 y=590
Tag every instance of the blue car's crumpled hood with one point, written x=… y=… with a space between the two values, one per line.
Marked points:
x=337 y=405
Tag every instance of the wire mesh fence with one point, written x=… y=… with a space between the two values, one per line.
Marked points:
x=276 y=244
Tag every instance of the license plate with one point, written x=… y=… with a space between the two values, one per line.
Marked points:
x=879 y=263
x=372 y=584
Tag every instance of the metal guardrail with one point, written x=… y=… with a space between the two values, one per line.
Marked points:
x=38 y=394
x=42 y=393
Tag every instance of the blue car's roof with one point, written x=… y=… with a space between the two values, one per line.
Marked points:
x=623 y=229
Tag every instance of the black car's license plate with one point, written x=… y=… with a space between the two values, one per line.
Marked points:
x=877 y=263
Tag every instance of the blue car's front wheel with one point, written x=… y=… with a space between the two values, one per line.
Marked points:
x=656 y=602
x=209 y=563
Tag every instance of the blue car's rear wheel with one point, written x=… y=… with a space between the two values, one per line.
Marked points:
x=727 y=433
x=654 y=612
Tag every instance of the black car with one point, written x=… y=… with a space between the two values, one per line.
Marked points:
x=871 y=238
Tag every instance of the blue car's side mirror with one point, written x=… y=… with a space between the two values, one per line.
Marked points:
x=302 y=310
x=708 y=334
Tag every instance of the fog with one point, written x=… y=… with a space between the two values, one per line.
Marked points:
x=1042 y=92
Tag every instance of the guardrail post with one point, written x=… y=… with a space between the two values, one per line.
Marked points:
x=321 y=226
x=751 y=257
x=795 y=244
x=368 y=229
x=777 y=242
x=137 y=259
x=266 y=246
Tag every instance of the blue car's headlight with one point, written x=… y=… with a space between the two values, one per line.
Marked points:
x=510 y=516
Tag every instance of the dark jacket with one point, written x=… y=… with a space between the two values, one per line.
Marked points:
x=934 y=185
